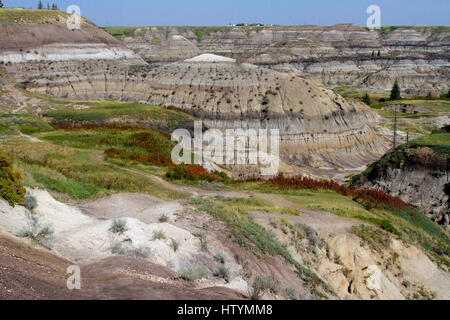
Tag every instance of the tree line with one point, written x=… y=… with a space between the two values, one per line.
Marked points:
x=53 y=7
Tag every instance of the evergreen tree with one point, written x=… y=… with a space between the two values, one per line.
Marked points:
x=48 y=6
x=395 y=93
x=40 y=5
x=379 y=53
x=366 y=99
x=1 y=4
x=448 y=93
x=54 y=6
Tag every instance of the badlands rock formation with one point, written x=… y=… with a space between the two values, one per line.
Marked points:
x=34 y=36
x=318 y=127
x=339 y=55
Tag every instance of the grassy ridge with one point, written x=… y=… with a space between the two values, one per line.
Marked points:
x=13 y=16
x=438 y=142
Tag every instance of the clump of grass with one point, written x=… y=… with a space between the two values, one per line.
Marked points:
x=174 y=244
x=260 y=285
x=159 y=235
x=387 y=225
x=223 y=272
x=118 y=249
x=220 y=257
x=291 y=294
x=193 y=272
x=311 y=235
x=203 y=241
x=118 y=226
x=40 y=234
x=374 y=237
x=163 y=218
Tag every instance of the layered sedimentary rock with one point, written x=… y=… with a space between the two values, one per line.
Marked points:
x=419 y=175
x=44 y=36
x=340 y=55
x=318 y=127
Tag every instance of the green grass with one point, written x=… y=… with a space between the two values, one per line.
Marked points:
x=98 y=139
x=10 y=124
x=414 y=123
x=26 y=16
x=120 y=113
x=438 y=142
x=75 y=172
x=120 y=31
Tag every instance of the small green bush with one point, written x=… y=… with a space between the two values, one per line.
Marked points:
x=159 y=235
x=118 y=226
x=174 y=244
x=223 y=272
x=193 y=272
x=11 y=188
x=118 y=249
x=262 y=284
x=163 y=218
x=41 y=234
x=220 y=257
x=203 y=241
x=30 y=202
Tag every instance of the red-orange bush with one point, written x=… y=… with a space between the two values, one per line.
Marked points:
x=369 y=196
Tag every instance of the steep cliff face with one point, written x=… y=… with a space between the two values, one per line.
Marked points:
x=418 y=172
x=318 y=127
x=340 y=55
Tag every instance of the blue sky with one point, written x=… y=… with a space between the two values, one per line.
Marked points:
x=222 y=12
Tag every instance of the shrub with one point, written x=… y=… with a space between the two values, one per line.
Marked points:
x=163 y=218
x=369 y=197
x=159 y=235
x=290 y=294
x=223 y=272
x=38 y=233
x=11 y=188
x=203 y=241
x=193 y=272
x=260 y=285
x=118 y=249
x=174 y=244
x=194 y=173
x=311 y=235
x=220 y=257
x=30 y=202
x=118 y=226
